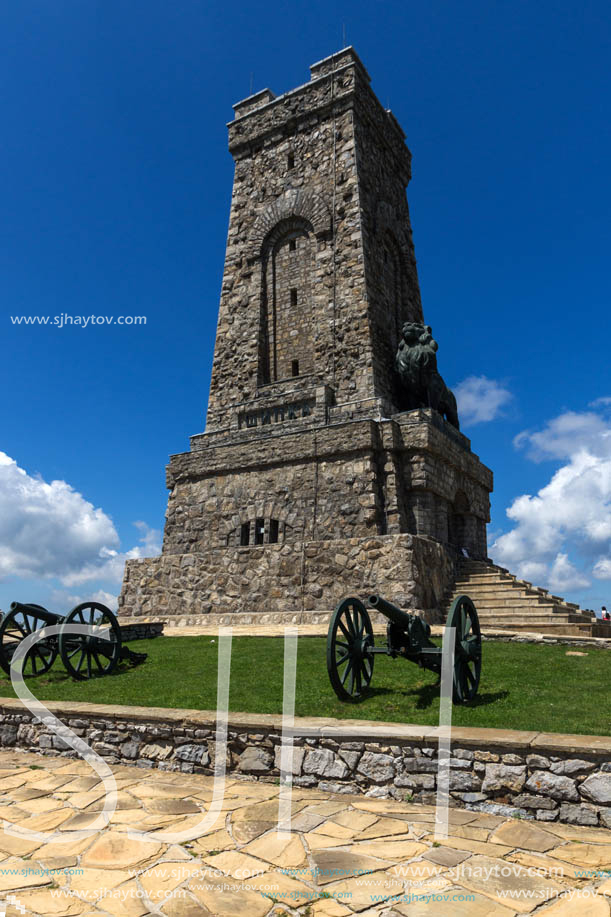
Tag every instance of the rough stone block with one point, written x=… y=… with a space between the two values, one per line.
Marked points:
x=377 y=767
x=295 y=759
x=572 y=767
x=255 y=760
x=578 y=815
x=501 y=777
x=554 y=785
x=323 y=763
x=597 y=788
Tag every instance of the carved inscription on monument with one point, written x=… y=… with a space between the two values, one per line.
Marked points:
x=264 y=416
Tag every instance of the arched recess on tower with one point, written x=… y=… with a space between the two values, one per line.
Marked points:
x=286 y=345
x=283 y=239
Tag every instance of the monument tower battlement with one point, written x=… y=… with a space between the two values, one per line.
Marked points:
x=315 y=446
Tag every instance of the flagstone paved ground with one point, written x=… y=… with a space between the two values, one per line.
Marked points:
x=344 y=854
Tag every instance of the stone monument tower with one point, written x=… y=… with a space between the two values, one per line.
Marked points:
x=312 y=479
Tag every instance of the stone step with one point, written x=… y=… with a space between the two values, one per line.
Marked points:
x=484 y=570
x=502 y=585
x=511 y=619
x=523 y=595
x=507 y=599
x=507 y=591
x=504 y=601
x=568 y=630
x=530 y=612
x=540 y=610
x=507 y=602
x=508 y=585
x=492 y=583
x=485 y=577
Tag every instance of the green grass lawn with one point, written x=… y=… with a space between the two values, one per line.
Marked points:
x=523 y=686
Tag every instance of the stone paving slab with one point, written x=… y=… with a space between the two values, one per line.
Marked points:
x=351 y=855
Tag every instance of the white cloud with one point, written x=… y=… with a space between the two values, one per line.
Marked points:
x=47 y=529
x=106 y=598
x=52 y=531
x=62 y=602
x=534 y=571
x=567 y=434
x=564 y=576
x=602 y=568
x=109 y=564
x=480 y=399
x=562 y=535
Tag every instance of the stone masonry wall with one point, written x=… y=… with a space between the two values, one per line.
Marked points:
x=533 y=776
x=413 y=572
x=330 y=498
x=349 y=479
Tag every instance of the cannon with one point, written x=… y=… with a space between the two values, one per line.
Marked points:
x=351 y=648
x=84 y=655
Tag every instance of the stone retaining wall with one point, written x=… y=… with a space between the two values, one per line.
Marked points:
x=593 y=642
x=140 y=630
x=271 y=625
x=546 y=777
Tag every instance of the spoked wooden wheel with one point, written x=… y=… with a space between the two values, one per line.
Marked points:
x=86 y=656
x=15 y=627
x=467 y=649
x=349 y=664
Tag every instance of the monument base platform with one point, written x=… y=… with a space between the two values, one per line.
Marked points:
x=413 y=571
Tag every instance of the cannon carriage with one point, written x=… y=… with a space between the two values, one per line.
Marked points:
x=351 y=648
x=90 y=653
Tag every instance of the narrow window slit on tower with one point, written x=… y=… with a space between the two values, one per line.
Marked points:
x=245 y=533
x=273 y=531
x=293 y=297
x=295 y=368
x=292 y=245
x=259 y=530
x=291 y=161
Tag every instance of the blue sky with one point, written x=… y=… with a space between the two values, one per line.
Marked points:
x=116 y=184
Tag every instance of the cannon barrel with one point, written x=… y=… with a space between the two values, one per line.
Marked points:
x=36 y=611
x=401 y=618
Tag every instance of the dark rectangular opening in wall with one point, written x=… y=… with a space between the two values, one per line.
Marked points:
x=292 y=245
x=291 y=161
x=273 y=531
x=245 y=533
x=293 y=296
x=259 y=530
x=295 y=368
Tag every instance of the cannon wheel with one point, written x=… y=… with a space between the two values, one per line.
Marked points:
x=350 y=633
x=83 y=656
x=15 y=627
x=467 y=649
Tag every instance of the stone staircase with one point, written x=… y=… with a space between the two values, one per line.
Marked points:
x=505 y=602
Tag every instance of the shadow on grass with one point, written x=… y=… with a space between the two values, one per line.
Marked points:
x=428 y=694
x=483 y=700
x=60 y=676
x=424 y=696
